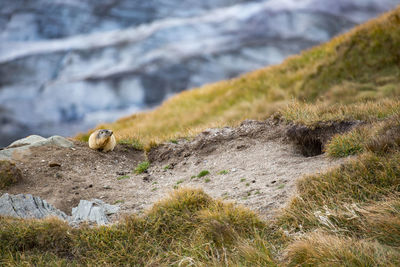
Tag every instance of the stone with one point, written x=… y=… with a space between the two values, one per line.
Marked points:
x=93 y=211
x=54 y=164
x=28 y=207
x=27 y=141
x=20 y=148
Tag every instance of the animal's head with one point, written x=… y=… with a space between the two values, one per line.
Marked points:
x=104 y=134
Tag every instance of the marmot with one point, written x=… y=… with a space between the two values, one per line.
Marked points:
x=102 y=140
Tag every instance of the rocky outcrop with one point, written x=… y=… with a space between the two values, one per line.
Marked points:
x=26 y=206
x=21 y=147
x=67 y=65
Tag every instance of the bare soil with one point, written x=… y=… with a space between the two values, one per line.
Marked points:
x=254 y=164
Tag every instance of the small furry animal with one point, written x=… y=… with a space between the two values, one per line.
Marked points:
x=102 y=140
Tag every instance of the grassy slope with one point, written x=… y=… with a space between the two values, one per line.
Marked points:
x=348 y=216
x=358 y=66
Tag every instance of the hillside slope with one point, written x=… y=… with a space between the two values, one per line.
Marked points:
x=346 y=103
x=362 y=65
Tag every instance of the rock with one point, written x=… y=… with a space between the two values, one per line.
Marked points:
x=66 y=65
x=27 y=207
x=93 y=211
x=27 y=141
x=20 y=148
x=9 y=174
x=54 y=164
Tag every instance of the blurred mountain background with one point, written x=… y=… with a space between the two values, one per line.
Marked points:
x=67 y=65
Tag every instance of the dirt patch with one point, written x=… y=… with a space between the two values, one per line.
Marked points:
x=212 y=139
x=63 y=176
x=253 y=164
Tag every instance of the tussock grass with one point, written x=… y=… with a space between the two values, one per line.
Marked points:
x=189 y=227
x=379 y=137
x=319 y=249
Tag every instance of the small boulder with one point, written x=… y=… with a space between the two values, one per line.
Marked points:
x=9 y=174
x=93 y=211
x=28 y=207
x=20 y=148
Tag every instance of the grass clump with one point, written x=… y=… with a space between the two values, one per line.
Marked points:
x=9 y=174
x=223 y=172
x=134 y=142
x=379 y=137
x=167 y=167
x=321 y=249
x=203 y=173
x=123 y=177
x=142 y=167
x=188 y=227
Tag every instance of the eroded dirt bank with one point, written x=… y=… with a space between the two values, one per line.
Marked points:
x=255 y=164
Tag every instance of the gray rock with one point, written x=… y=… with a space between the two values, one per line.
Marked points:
x=28 y=207
x=21 y=147
x=93 y=211
x=27 y=140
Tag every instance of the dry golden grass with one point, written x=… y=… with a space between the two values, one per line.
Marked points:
x=321 y=249
x=352 y=68
x=187 y=228
x=347 y=216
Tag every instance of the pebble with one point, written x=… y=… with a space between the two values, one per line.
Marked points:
x=54 y=164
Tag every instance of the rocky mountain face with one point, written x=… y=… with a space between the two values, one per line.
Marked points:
x=66 y=66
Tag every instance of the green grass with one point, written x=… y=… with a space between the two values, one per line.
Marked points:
x=134 y=142
x=167 y=167
x=203 y=173
x=142 y=167
x=123 y=177
x=207 y=180
x=223 y=172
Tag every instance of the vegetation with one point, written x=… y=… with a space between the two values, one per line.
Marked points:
x=187 y=228
x=203 y=173
x=9 y=174
x=354 y=76
x=142 y=167
x=123 y=177
x=347 y=216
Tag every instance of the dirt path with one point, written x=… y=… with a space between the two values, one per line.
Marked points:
x=253 y=164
